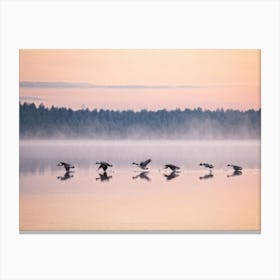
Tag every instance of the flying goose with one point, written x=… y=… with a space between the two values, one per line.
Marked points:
x=207 y=165
x=104 y=165
x=235 y=167
x=172 y=167
x=143 y=164
x=67 y=166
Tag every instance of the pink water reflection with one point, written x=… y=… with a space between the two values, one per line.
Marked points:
x=126 y=203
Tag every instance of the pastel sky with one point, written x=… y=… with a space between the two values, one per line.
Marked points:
x=141 y=79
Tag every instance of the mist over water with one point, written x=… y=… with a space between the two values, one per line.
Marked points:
x=40 y=155
x=61 y=123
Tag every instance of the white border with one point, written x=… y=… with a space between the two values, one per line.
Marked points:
x=141 y=24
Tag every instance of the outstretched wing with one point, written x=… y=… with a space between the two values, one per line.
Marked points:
x=236 y=167
x=145 y=163
x=171 y=166
x=65 y=164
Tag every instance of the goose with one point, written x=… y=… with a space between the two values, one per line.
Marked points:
x=67 y=166
x=172 y=167
x=104 y=165
x=207 y=165
x=143 y=164
x=235 y=167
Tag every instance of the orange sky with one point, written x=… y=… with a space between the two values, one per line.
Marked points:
x=137 y=79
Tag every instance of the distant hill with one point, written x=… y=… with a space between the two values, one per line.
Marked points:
x=42 y=122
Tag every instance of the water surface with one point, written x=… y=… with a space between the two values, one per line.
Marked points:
x=124 y=198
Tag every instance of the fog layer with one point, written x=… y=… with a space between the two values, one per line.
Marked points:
x=177 y=124
x=44 y=155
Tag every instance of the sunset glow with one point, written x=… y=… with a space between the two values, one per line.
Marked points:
x=141 y=79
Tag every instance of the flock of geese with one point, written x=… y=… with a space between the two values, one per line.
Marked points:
x=237 y=170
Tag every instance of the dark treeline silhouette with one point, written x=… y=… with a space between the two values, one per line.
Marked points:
x=43 y=122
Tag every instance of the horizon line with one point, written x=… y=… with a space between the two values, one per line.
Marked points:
x=83 y=85
x=139 y=110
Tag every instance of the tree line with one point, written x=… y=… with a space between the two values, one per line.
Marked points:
x=42 y=122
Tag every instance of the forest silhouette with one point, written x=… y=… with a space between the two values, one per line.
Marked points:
x=42 y=122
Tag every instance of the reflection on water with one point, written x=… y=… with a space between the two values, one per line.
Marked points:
x=235 y=173
x=66 y=176
x=49 y=200
x=142 y=175
x=207 y=176
x=104 y=177
x=171 y=176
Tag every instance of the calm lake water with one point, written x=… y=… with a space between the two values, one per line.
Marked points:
x=124 y=198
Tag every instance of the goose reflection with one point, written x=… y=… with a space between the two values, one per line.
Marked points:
x=171 y=176
x=143 y=175
x=207 y=176
x=66 y=176
x=104 y=177
x=235 y=173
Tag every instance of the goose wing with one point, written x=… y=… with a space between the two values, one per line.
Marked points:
x=171 y=166
x=105 y=163
x=66 y=164
x=145 y=163
x=236 y=167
